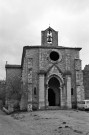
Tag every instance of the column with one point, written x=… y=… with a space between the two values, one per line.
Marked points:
x=46 y=97
x=29 y=106
x=79 y=86
x=68 y=77
x=41 y=92
x=61 y=94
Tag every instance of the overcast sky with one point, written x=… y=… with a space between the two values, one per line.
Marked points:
x=21 y=22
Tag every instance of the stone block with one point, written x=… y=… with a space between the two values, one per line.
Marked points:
x=41 y=105
x=29 y=107
x=77 y=64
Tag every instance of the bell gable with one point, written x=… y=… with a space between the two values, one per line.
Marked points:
x=49 y=37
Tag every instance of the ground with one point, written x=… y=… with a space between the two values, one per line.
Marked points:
x=50 y=122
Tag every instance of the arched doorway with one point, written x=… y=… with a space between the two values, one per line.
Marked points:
x=54 y=92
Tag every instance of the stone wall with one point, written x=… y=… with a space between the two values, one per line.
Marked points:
x=65 y=64
x=79 y=88
x=36 y=61
x=34 y=54
x=2 y=92
x=30 y=78
x=13 y=82
x=86 y=81
x=24 y=85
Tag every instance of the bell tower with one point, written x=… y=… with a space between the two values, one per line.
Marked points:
x=49 y=37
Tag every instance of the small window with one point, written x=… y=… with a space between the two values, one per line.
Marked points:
x=35 y=92
x=72 y=91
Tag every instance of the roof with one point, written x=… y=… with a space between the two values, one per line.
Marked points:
x=49 y=28
x=54 y=47
x=12 y=66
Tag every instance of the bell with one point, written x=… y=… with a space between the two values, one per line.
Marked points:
x=49 y=39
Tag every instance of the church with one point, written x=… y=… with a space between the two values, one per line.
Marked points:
x=50 y=75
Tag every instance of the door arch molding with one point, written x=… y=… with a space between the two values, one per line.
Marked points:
x=61 y=81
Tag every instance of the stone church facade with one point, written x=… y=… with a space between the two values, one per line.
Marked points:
x=50 y=75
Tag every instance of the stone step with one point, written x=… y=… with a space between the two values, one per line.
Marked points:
x=53 y=108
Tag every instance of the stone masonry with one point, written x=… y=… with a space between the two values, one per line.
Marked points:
x=86 y=81
x=13 y=85
x=51 y=75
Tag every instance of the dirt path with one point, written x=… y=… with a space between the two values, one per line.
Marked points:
x=59 y=122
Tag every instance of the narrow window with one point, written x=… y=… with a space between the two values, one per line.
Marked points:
x=71 y=91
x=35 y=92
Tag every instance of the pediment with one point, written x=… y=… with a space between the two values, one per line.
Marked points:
x=50 y=29
x=54 y=70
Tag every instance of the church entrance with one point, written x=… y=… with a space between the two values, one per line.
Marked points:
x=51 y=97
x=54 y=92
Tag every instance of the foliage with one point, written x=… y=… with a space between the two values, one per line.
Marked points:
x=14 y=89
x=2 y=91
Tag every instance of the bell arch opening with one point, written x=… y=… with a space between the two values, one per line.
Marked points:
x=54 y=92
